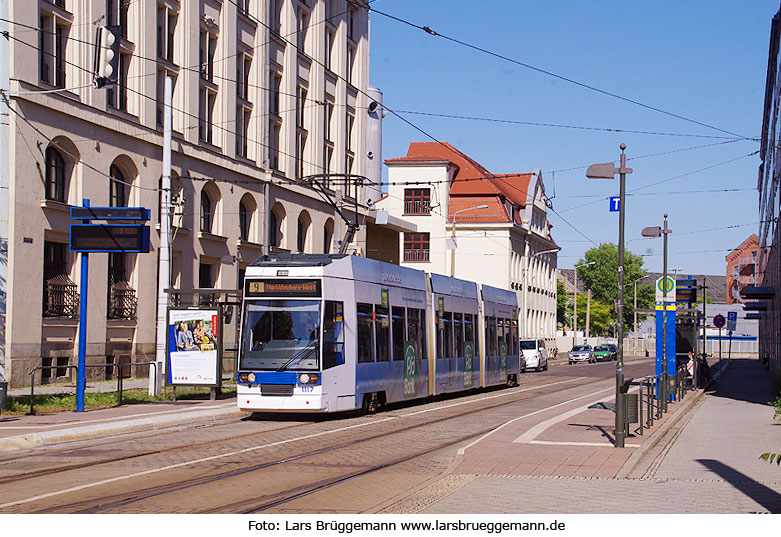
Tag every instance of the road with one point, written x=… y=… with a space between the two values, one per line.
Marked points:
x=285 y=464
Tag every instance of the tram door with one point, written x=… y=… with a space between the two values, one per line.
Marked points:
x=446 y=362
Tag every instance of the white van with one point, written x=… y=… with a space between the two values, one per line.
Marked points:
x=535 y=353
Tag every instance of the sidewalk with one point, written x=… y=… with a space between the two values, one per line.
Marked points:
x=702 y=459
x=25 y=431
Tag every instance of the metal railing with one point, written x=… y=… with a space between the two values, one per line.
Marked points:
x=118 y=365
x=61 y=298
x=122 y=302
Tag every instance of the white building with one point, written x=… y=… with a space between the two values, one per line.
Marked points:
x=265 y=92
x=497 y=222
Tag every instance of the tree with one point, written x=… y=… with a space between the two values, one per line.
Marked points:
x=561 y=303
x=602 y=278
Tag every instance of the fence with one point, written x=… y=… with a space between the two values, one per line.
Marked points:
x=118 y=365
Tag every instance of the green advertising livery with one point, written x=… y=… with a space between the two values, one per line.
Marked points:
x=410 y=368
x=469 y=355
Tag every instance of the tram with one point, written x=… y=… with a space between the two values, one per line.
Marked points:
x=334 y=332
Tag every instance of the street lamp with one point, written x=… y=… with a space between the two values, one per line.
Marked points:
x=608 y=171
x=656 y=232
x=526 y=286
x=453 y=237
x=575 y=314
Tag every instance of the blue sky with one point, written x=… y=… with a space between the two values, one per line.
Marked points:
x=705 y=60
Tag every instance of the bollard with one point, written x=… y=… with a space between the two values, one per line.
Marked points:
x=3 y=392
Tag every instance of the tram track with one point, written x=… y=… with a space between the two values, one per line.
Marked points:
x=122 y=500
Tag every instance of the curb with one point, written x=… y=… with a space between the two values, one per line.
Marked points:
x=89 y=432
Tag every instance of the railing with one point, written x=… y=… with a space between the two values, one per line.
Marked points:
x=61 y=298
x=118 y=365
x=122 y=302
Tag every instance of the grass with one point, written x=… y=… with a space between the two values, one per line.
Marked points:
x=49 y=403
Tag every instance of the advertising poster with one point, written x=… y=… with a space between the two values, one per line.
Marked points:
x=192 y=347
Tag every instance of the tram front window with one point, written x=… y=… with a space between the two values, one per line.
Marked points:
x=281 y=335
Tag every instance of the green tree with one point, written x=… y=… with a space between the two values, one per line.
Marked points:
x=602 y=279
x=561 y=303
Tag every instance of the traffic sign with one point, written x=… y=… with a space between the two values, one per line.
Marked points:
x=719 y=321
x=732 y=320
x=615 y=204
x=669 y=287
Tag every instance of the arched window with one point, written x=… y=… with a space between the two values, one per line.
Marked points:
x=118 y=187
x=55 y=175
x=328 y=236
x=303 y=230
x=246 y=211
x=276 y=221
x=207 y=212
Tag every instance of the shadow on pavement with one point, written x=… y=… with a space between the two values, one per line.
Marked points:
x=745 y=380
x=765 y=496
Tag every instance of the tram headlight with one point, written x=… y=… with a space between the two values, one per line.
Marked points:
x=251 y=378
x=303 y=378
x=309 y=378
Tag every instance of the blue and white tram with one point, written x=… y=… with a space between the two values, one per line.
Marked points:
x=330 y=333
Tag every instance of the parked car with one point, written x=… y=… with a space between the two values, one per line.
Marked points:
x=581 y=353
x=602 y=353
x=535 y=353
x=613 y=351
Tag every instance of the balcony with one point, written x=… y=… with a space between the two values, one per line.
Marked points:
x=122 y=302
x=61 y=298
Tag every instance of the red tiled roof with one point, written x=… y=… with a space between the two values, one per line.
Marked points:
x=494 y=213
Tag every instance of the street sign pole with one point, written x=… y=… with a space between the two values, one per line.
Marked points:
x=81 y=373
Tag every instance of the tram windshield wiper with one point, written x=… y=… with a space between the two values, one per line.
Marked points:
x=301 y=354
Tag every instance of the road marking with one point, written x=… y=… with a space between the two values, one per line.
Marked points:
x=535 y=431
x=462 y=450
x=187 y=463
x=589 y=444
x=492 y=396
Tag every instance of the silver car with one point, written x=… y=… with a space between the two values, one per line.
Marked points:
x=581 y=353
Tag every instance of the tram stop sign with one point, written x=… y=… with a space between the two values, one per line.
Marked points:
x=719 y=321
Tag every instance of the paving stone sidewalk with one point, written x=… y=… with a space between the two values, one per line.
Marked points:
x=708 y=464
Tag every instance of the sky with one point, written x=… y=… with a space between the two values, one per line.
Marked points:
x=703 y=60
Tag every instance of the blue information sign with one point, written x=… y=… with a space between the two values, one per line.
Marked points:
x=615 y=204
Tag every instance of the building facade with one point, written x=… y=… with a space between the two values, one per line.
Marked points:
x=741 y=269
x=476 y=225
x=265 y=92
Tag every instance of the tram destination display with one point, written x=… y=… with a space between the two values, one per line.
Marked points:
x=309 y=288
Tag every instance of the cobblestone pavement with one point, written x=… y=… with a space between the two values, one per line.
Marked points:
x=709 y=465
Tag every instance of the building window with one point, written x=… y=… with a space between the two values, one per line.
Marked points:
x=166 y=26
x=207 y=212
x=208 y=47
x=302 y=18
x=328 y=236
x=117 y=95
x=205 y=275
x=245 y=219
x=417 y=201
x=243 y=115
x=416 y=246
x=206 y=102
x=275 y=16
x=243 y=67
x=52 y=45
x=243 y=6
x=118 y=188
x=351 y=53
x=301 y=131
x=55 y=175
x=275 y=120
x=60 y=294
x=352 y=22
x=330 y=39
x=116 y=15
x=303 y=231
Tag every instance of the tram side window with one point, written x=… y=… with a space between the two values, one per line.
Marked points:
x=490 y=336
x=420 y=333
x=458 y=334
x=365 y=333
x=469 y=333
x=382 y=330
x=398 y=317
x=508 y=336
x=515 y=337
x=446 y=333
x=476 y=333
x=333 y=334
x=500 y=334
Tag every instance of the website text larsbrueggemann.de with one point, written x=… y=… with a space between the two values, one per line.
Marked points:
x=422 y=526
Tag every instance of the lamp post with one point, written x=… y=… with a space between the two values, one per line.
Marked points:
x=608 y=171
x=526 y=285
x=575 y=311
x=656 y=232
x=453 y=237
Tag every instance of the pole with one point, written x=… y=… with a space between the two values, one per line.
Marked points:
x=719 y=347
x=664 y=321
x=634 y=347
x=164 y=259
x=5 y=176
x=620 y=403
x=453 y=250
x=81 y=373
x=575 y=313
x=588 y=313
x=704 y=336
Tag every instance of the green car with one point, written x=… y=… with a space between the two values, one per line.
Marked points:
x=602 y=353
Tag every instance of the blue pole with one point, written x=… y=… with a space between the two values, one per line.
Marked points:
x=81 y=381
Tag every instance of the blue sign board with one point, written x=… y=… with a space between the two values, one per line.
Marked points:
x=109 y=238
x=732 y=320
x=615 y=204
